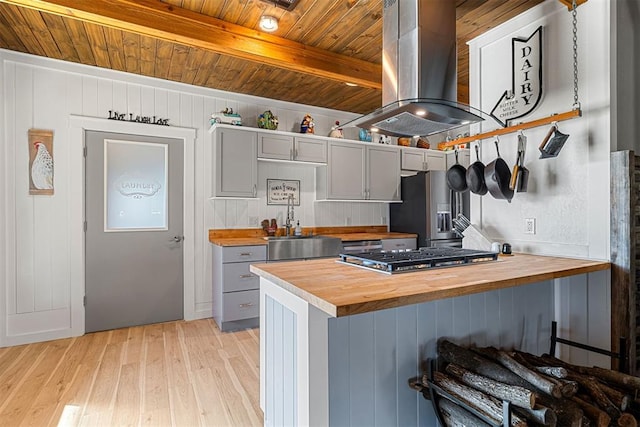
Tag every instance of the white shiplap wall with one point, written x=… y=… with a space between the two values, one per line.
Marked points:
x=568 y=195
x=37 y=253
x=242 y=213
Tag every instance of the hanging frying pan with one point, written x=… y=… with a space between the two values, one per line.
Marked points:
x=523 y=176
x=475 y=176
x=497 y=176
x=457 y=176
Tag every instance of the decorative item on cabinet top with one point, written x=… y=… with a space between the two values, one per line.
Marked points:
x=307 y=125
x=226 y=116
x=336 y=131
x=268 y=120
x=364 y=135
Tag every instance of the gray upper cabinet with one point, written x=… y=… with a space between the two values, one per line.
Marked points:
x=310 y=150
x=383 y=173
x=292 y=148
x=419 y=159
x=275 y=146
x=359 y=172
x=344 y=176
x=235 y=164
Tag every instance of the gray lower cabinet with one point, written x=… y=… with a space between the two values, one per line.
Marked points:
x=236 y=291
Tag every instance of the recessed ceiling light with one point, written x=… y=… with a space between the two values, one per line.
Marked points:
x=268 y=23
x=350 y=84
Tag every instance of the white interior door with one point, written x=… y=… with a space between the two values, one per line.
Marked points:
x=133 y=240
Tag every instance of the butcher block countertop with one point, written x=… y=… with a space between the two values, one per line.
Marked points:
x=255 y=236
x=341 y=290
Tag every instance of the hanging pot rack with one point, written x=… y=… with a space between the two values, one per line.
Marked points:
x=576 y=111
x=515 y=128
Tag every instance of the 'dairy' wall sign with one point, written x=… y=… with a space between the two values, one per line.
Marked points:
x=526 y=83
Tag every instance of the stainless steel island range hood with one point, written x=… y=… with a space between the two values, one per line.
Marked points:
x=419 y=77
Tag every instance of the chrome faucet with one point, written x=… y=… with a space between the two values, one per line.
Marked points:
x=289 y=224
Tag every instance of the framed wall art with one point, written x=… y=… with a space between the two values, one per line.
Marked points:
x=40 y=162
x=278 y=191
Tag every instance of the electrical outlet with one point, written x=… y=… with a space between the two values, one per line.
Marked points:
x=530 y=226
x=383 y=220
x=347 y=220
x=253 y=220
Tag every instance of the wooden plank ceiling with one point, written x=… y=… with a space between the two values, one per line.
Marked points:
x=319 y=45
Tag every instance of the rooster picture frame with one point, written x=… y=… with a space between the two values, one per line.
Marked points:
x=40 y=162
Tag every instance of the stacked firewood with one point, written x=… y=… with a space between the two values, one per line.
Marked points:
x=542 y=390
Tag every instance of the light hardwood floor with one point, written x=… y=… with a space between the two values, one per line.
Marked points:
x=167 y=374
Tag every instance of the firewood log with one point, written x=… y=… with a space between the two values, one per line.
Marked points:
x=472 y=361
x=591 y=385
x=569 y=388
x=552 y=371
x=628 y=382
x=627 y=420
x=481 y=402
x=517 y=395
x=540 y=415
x=569 y=413
x=540 y=382
x=597 y=415
x=618 y=398
x=456 y=416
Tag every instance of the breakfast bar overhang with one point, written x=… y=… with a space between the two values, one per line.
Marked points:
x=338 y=343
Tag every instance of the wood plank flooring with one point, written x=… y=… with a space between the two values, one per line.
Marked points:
x=168 y=374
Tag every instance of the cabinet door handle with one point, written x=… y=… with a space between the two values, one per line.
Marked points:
x=246 y=254
x=295 y=153
x=255 y=192
x=246 y=305
x=291 y=151
x=246 y=276
x=400 y=245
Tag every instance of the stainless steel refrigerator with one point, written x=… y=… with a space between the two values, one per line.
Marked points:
x=427 y=209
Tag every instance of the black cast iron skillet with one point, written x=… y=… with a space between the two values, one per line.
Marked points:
x=497 y=176
x=457 y=177
x=475 y=176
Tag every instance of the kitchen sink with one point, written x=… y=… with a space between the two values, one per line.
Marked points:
x=281 y=248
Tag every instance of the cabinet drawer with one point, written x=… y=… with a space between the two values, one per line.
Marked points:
x=237 y=277
x=241 y=305
x=244 y=253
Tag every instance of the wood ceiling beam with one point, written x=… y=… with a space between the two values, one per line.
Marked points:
x=160 y=20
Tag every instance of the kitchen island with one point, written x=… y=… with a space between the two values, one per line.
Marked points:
x=338 y=343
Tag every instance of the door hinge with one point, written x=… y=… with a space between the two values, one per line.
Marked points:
x=84 y=300
x=84 y=151
x=84 y=226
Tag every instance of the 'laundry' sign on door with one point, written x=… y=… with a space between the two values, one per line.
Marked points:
x=526 y=86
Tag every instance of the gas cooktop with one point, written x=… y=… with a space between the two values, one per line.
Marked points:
x=403 y=261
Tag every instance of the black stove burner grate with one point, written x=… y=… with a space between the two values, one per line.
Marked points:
x=418 y=259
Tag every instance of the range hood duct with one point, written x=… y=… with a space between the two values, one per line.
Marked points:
x=419 y=77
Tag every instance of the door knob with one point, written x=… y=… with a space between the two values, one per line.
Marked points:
x=177 y=239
